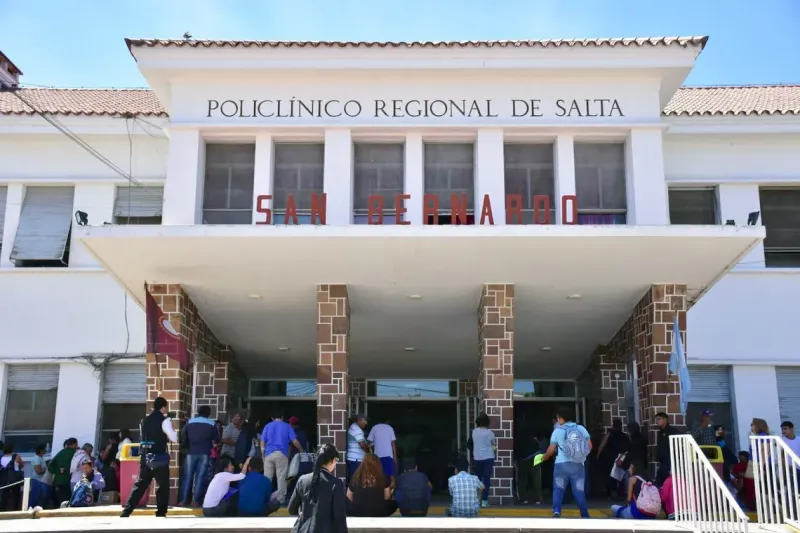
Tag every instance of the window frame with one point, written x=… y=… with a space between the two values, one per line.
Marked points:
x=715 y=199
x=230 y=167
x=46 y=435
x=361 y=215
x=619 y=214
x=528 y=213
x=777 y=254
x=303 y=215
x=471 y=200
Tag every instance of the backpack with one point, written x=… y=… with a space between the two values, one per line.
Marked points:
x=8 y=474
x=82 y=494
x=575 y=448
x=649 y=500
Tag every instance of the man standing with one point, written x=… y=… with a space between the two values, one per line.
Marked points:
x=572 y=444
x=156 y=432
x=60 y=468
x=662 y=447
x=200 y=436
x=704 y=433
x=275 y=441
x=230 y=436
x=383 y=438
x=789 y=437
x=357 y=446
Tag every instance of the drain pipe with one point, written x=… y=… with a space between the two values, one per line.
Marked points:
x=194 y=390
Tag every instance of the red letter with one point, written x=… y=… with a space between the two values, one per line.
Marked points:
x=458 y=209
x=541 y=202
x=514 y=207
x=430 y=207
x=291 y=210
x=399 y=209
x=375 y=207
x=318 y=208
x=486 y=211
x=264 y=210
x=571 y=198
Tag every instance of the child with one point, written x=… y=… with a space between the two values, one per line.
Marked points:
x=743 y=481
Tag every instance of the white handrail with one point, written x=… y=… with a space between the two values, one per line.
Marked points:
x=775 y=472
x=702 y=501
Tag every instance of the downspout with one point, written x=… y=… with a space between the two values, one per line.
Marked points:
x=194 y=390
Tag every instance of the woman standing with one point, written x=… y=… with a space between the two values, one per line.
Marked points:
x=483 y=447
x=318 y=500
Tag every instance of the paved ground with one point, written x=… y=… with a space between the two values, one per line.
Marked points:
x=178 y=524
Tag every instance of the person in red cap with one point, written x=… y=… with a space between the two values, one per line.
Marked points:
x=300 y=433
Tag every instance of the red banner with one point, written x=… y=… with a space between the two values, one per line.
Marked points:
x=162 y=338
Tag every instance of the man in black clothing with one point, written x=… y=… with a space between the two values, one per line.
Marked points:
x=156 y=432
x=662 y=447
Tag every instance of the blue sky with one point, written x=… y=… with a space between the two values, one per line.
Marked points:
x=79 y=43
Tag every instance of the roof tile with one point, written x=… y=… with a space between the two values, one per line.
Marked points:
x=582 y=43
x=745 y=100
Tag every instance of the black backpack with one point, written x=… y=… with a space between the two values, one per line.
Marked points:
x=8 y=474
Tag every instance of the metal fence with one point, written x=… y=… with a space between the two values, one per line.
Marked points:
x=775 y=473
x=701 y=499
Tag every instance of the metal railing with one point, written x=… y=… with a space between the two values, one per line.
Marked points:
x=701 y=499
x=775 y=473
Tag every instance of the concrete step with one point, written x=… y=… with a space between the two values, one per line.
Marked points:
x=187 y=524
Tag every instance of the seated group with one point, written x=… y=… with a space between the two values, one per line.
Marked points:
x=369 y=493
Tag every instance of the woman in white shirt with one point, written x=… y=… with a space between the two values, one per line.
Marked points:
x=213 y=504
x=483 y=448
x=124 y=438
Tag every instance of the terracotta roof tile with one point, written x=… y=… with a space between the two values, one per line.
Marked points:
x=94 y=102
x=581 y=43
x=688 y=101
x=746 y=100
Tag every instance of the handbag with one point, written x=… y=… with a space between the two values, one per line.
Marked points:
x=156 y=460
x=617 y=472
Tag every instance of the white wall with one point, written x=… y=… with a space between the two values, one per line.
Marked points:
x=59 y=313
x=755 y=395
x=77 y=404
x=749 y=318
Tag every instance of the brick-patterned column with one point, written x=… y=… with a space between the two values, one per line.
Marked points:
x=165 y=378
x=333 y=360
x=647 y=336
x=468 y=388
x=496 y=381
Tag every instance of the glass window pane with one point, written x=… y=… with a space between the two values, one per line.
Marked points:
x=31 y=410
x=450 y=168
x=299 y=172
x=780 y=213
x=693 y=206
x=229 y=174
x=600 y=176
x=378 y=170
x=411 y=389
x=118 y=416
x=227 y=217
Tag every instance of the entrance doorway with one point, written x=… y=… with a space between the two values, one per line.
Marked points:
x=425 y=430
x=305 y=410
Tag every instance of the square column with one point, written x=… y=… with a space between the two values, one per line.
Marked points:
x=333 y=361
x=496 y=381
x=338 y=177
x=262 y=174
x=645 y=182
x=564 y=158
x=414 y=177
x=14 y=197
x=490 y=174
x=183 y=188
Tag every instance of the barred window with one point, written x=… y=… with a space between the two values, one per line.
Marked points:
x=600 y=183
x=529 y=172
x=299 y=173
x=378 y=170
x=449 y=170
x=228 y=191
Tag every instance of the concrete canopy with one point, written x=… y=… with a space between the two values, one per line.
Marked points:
x=414 y=289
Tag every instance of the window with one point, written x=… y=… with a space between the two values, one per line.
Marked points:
x=693 y=206
x=228 y=191
x=138 y=205
x=378 y=171
x=297 y=388
x=124 y=399
x=45 y=224
x=711 y=389
x=449 y=170
x=528 y=173
x=3 y=196
x=544 y=389
x=600 y=183
x=30 y=406
x=299 y=173
x=393 y=388
x=780 y=213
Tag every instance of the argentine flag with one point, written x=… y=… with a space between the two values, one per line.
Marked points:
x=677 y=365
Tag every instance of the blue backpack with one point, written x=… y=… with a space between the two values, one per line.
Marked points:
x=82 y=494
x=576 y=447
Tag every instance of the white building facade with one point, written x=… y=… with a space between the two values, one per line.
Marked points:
x=573 y=189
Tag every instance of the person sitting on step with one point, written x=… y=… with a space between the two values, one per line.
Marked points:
x=369 y=493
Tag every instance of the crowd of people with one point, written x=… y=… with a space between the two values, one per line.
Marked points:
x=243 y=469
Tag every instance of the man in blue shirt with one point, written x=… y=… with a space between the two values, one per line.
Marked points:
x=200 y=435
x=572 y=443
x=275 y=441
x=255 y=492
